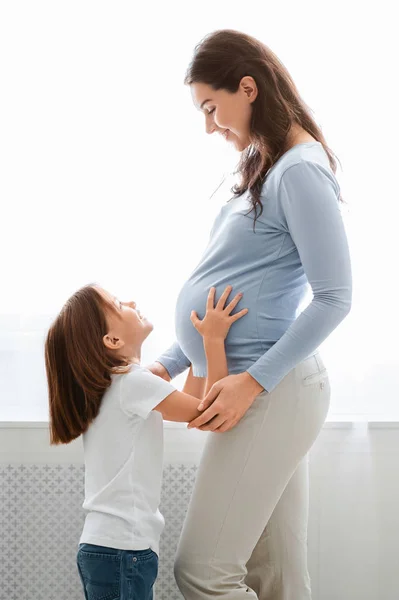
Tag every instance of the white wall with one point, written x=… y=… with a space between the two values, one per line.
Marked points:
x=99 y=134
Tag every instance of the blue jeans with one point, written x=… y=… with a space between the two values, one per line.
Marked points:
x=111 y=574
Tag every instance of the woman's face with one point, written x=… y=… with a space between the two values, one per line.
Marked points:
x=227 y=113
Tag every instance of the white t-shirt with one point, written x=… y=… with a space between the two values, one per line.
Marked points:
x=123 y=453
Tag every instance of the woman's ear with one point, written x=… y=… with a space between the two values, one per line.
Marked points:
x=249 y=87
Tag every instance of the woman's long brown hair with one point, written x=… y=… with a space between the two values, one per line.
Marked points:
x=221 y=60
x=78 y=365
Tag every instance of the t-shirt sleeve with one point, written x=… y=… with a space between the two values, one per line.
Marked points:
x=308 y=199
x=141 y=391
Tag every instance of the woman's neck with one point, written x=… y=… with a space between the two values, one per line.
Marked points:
x=297 y=135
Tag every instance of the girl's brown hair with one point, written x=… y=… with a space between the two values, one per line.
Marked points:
x=78 y=365
x=221 y=60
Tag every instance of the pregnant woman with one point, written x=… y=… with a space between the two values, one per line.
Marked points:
x=245 y=534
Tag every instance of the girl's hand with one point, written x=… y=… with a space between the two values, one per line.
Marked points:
x=217 y=321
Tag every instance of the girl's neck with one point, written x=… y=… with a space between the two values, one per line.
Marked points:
x=133 y=355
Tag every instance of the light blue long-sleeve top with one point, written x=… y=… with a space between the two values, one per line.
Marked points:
x=299 y=240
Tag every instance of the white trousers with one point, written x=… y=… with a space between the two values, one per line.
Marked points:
x=245 y=533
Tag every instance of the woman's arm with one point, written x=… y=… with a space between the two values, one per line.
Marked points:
x=309 y=206
x=171 y=363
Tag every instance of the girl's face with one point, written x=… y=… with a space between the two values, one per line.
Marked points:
x=127 y=328
x=227 y=113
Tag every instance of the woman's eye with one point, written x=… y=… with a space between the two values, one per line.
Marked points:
x=211 y=111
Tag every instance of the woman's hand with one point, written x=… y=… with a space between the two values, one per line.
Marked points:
x=226 y=403
x=217 y=321
x=159 y=370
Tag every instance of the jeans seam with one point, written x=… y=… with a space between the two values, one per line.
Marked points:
x=82 y=580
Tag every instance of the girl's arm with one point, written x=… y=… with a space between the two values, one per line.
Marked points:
x=216 y=361
x=214 y=329
x=195 y=386
x=183 y=406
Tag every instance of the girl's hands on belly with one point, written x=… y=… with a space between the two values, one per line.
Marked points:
x=218 y=320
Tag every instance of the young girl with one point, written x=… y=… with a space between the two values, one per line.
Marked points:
x=98 y=388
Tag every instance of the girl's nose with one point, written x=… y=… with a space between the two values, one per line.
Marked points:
x=209 y=125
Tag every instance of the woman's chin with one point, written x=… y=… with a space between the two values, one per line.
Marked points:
x=239 y=145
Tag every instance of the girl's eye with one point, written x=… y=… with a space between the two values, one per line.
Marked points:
x=211 y=111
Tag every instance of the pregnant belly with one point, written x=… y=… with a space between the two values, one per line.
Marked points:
x=242 y=336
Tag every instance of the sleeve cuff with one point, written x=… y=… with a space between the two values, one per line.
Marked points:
x=265 y=380
x=174 y=360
